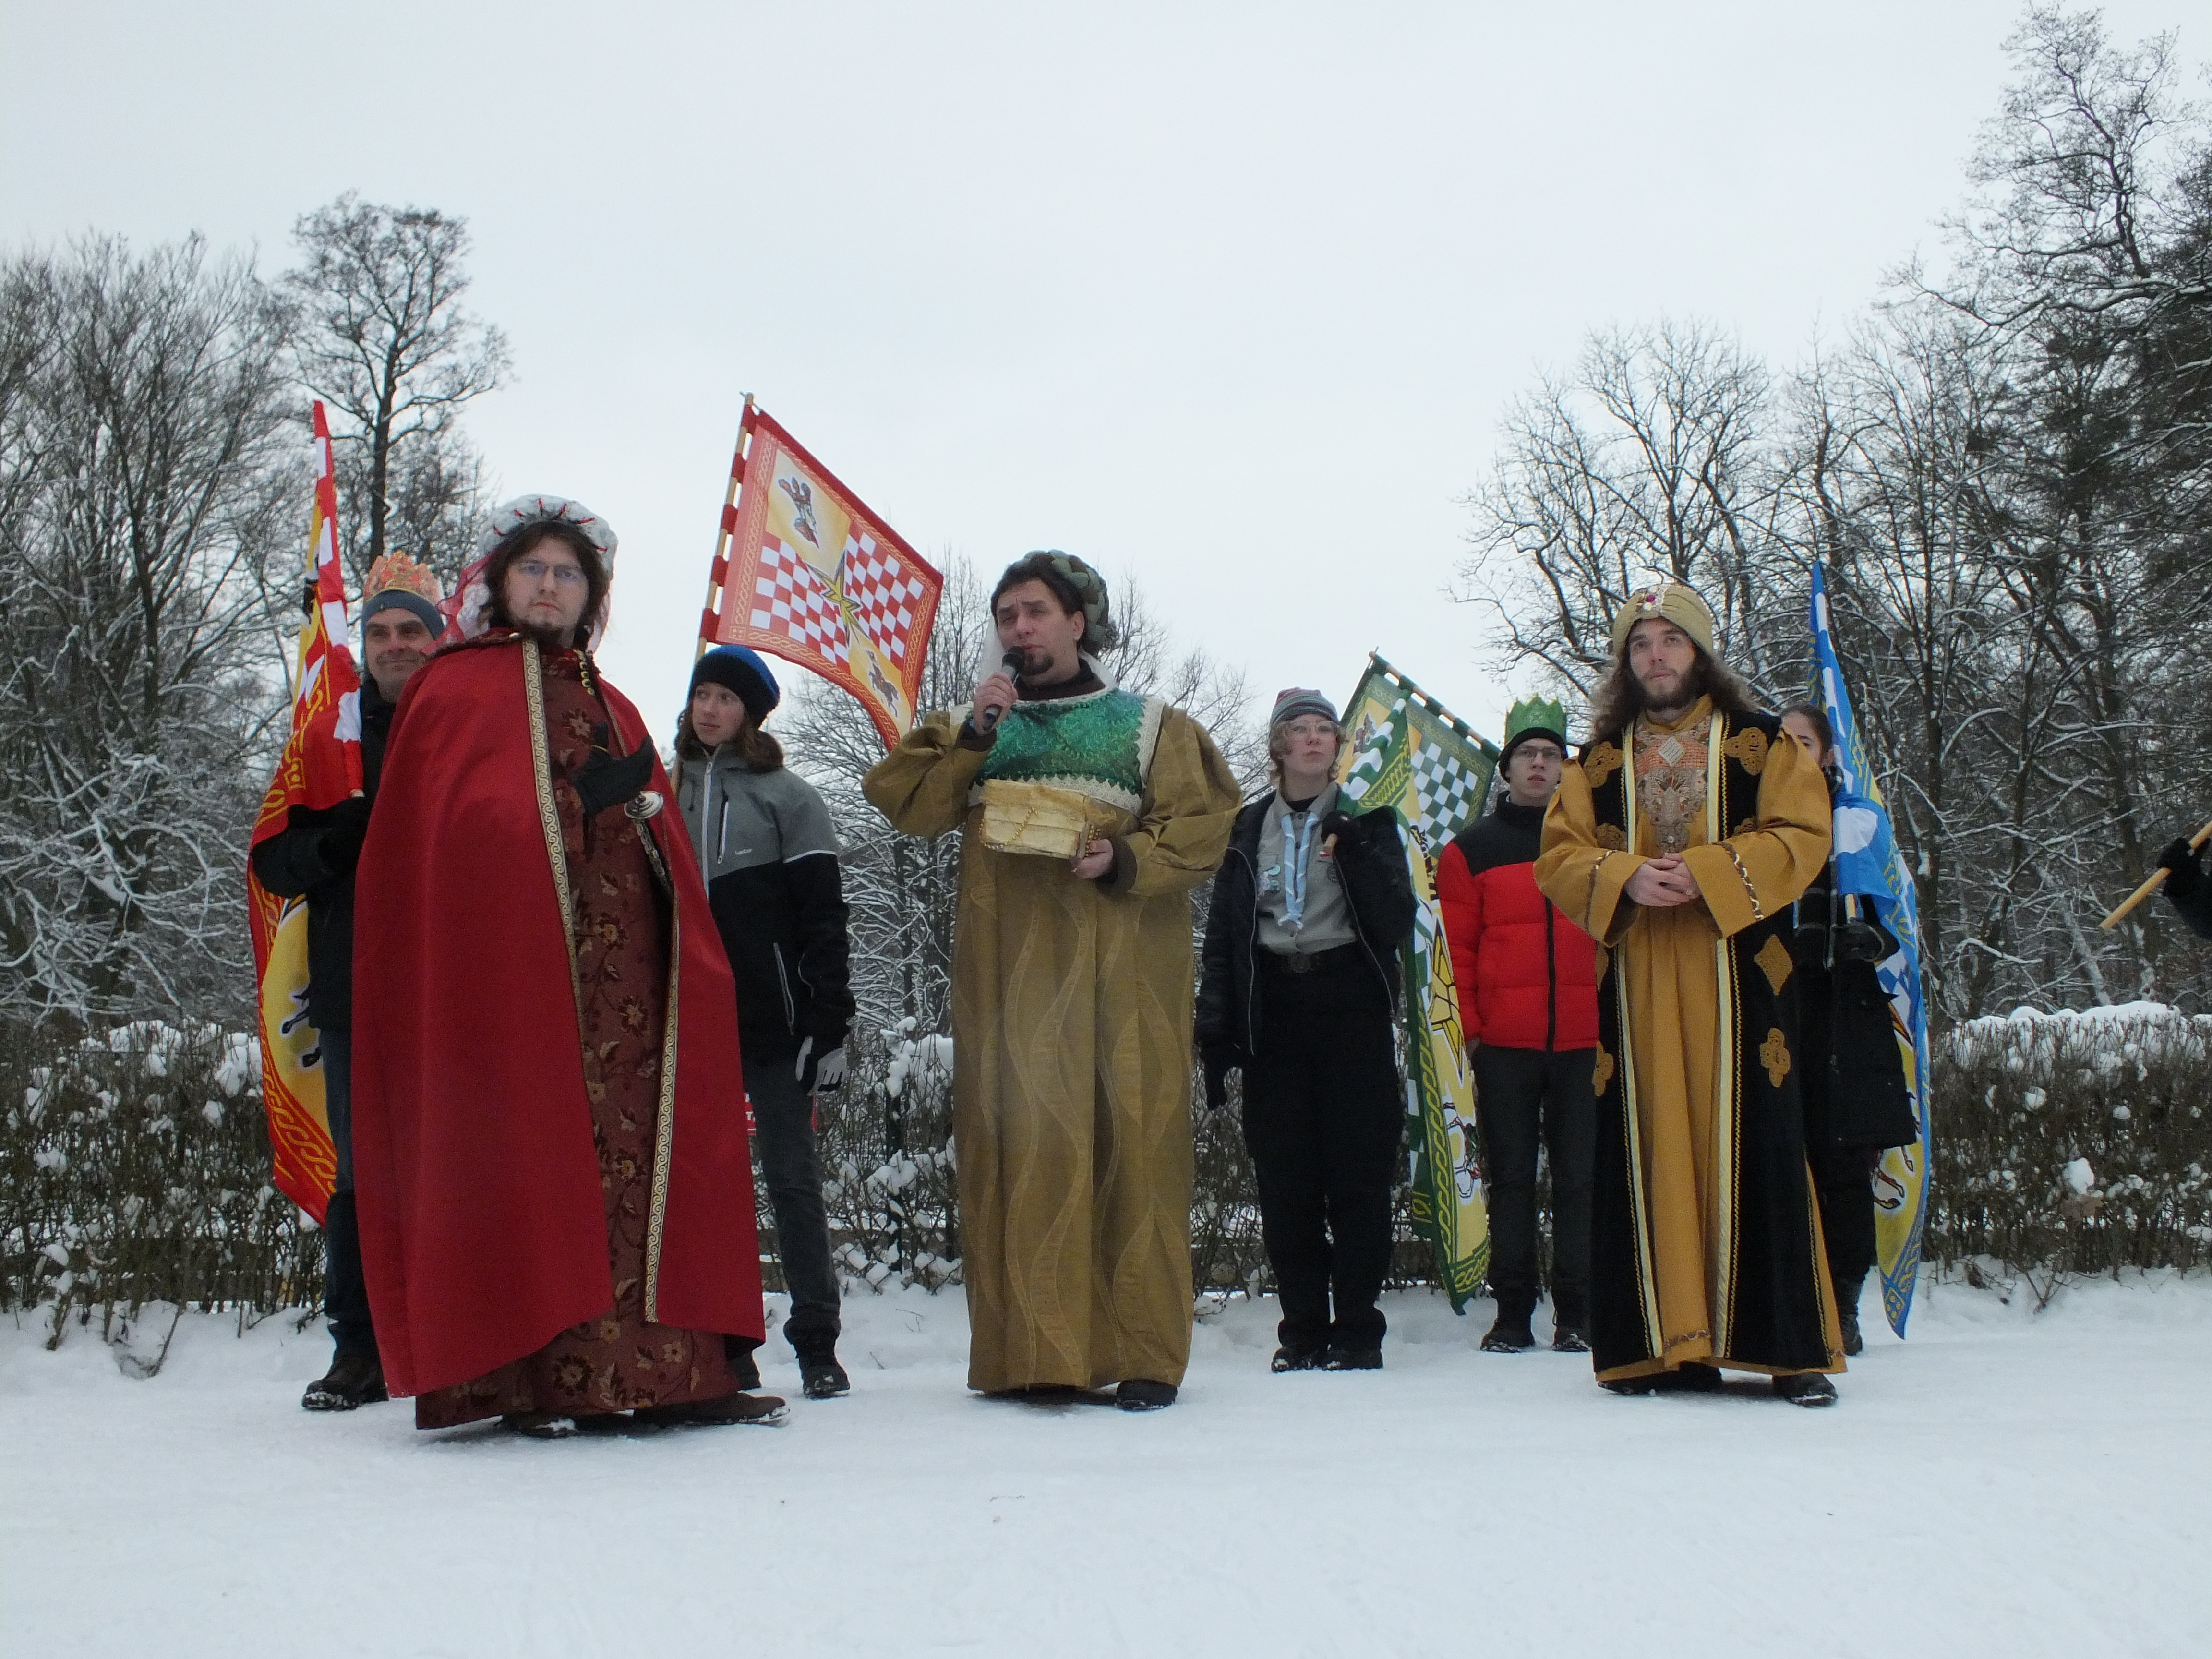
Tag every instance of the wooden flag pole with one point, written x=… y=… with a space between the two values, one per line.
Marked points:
x=719 y=569
x=2153 y=882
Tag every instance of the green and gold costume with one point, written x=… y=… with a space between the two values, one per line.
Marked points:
x=1072 y=1035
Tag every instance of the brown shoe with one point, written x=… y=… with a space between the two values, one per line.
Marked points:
x=761 y=1410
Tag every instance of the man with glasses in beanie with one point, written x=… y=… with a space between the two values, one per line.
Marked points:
x=1528 y=997
x=768 y=855
x=1298 y=987
x=313 y=857
x=1071 y=995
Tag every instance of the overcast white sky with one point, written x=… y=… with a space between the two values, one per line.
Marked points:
x=1229 y=298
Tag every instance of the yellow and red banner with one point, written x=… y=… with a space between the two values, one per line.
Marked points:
x=320 y=767
x=805 y=572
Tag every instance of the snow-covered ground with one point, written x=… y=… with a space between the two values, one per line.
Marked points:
x=2005 y=1483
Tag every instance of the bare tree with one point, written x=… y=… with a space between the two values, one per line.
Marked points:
x=383 y=340
x=1650 y=459
x=145 y=473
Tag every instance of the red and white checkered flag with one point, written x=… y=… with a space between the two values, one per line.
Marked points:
x=805 y=571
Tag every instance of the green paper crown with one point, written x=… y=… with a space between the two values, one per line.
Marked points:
x=1536 y=713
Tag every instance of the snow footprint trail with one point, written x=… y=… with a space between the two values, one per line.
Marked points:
x=2004 y=1483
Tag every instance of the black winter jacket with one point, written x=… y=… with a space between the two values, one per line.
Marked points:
x=313 y=857
x=1371 y=863
x=1854 y=1077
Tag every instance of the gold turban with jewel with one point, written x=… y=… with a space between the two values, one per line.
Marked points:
x=1668 y=601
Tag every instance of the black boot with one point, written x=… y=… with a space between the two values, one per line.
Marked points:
x=1288 y=1359
x=738 y=1351
x=1847 y=1315
x=1353 y=1359
x=350 y=1382
x=1140 y=1394
x=1509 y=1334
x=820 y=1376
x=1805 y=1388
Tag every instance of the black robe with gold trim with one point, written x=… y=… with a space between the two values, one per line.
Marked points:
x=1706 y=1238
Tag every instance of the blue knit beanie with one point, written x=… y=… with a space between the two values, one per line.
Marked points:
x=738 y=668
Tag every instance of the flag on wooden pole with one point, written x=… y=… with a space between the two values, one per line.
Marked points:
x=1868 y=861
x=805 y=571
x=320 y=767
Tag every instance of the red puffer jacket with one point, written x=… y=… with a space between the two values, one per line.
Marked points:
x=1527 y=976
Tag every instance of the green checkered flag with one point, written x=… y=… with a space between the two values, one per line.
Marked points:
x=1397 y=771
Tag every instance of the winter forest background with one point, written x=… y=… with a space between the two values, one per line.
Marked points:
x=2003 y=461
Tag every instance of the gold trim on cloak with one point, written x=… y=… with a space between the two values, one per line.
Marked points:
x=1727 y=1084
x=1653 y=1332
x=549 y=817
x=663 y=1138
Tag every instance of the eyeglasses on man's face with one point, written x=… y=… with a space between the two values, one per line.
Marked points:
x=537 y=570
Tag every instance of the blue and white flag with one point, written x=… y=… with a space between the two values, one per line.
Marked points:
x=1868 y=861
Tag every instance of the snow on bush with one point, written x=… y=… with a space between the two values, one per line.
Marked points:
x=2074 y=1141
x=126 y=1181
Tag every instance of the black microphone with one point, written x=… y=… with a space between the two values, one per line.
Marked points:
x=1012 y=662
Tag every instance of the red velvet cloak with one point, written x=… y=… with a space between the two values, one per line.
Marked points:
x=483 y=1227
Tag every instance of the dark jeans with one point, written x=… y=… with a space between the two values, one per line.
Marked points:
x=791 y=1165
x=1842 y=1179
x=345 y=1291
x=1322 y=1117
x=1523 y=1095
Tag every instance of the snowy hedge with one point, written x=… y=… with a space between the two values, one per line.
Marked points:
x=2076 y=1142
x=134 y=1168
x=134 y=1165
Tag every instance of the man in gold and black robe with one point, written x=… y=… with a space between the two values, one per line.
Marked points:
x=1679 y=841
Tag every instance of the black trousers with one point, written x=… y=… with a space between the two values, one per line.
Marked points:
x=1843 y=1182
x=1525 y=1097
x=345 y=1288
x=1323 y=1119
x=791 y=1168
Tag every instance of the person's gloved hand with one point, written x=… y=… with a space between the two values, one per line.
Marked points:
x=1337 y=826
x=1218 y=1064
x=343 y=835
x=822 y=1074
x=1859 y=941
x=2184 y=874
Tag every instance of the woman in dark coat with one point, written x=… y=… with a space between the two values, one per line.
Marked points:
x=1856 y=1103
x=1296 y=990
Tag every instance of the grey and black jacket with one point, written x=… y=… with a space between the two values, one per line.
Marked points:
x=1371 y=863
x=768 y=855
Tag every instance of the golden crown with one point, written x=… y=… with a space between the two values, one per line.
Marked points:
x=408 y=576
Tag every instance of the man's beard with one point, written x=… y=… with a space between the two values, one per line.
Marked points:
x=548 y=638
x=1694 y=684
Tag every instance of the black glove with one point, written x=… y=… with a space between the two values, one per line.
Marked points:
x=1339 y=826
x=343 y=834
x=1859 y=941
x=604 y=781
x=1218 y=1064
x=2184 y=874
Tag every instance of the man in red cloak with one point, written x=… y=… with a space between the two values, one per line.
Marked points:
x=555 y=1186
